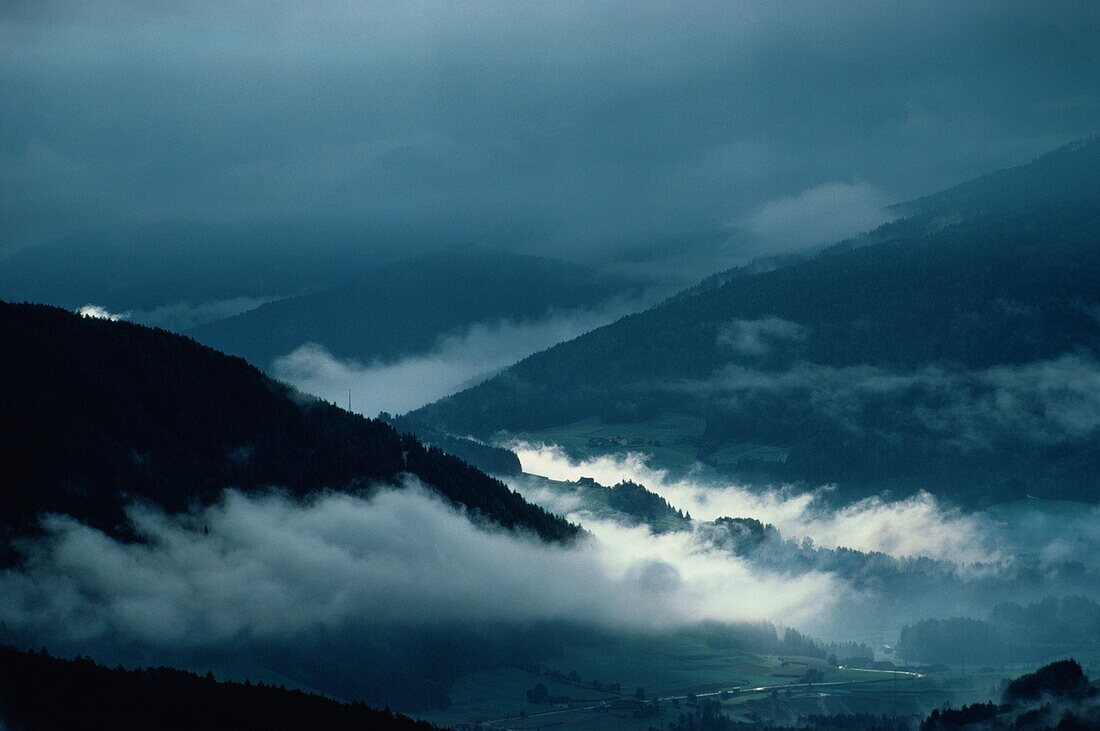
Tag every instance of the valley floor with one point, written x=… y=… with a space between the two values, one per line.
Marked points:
x=681 y=673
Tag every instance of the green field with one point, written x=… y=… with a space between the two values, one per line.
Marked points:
x=758 y=687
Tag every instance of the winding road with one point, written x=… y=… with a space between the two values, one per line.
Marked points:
x=733 y=689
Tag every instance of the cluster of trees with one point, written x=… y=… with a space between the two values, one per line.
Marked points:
x=575 y=678
x=1012 y=633
x=636 y=501
x=97 y=414
x=849 y=653
x=742 y=536
x=1000 y=285
x=629 y=503
x=38 y=691
x=1056 y=696
x=953 y=641
x=707 y=715
x=760 y=637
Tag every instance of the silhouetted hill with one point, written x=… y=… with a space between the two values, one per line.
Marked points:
x=172 y=262
x=42 y=693
x=946 y=350
x=406 y=306
x=97 y=413
x=1065 y=175
x=486 y=457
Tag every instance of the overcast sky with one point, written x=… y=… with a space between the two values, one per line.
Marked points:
x=616 y=131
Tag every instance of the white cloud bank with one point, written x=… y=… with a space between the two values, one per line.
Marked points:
x=102 y=313
x=819 y=215
x=270 y=568
x=757 y=337
x=916 y=526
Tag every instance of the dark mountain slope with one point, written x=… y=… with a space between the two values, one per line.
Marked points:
x=1065 y=175
x=404 y=307
x=787 y=357
x=171 y=262
x=96 y=413
x=42 y=692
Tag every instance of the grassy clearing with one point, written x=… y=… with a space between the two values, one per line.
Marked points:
x=669 y=667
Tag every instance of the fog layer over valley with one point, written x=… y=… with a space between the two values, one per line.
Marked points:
x=620 y=366
x=300 y=589
x=953 y=350
x=898 y=560
x=916 y=526
x=456 y=361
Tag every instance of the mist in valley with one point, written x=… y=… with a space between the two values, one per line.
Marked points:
x=623 y=366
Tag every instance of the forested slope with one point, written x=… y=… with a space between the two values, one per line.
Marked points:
x=953 y=349
x=406 y=306
x=95 y=414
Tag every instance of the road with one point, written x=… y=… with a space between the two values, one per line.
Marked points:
x=733 y=689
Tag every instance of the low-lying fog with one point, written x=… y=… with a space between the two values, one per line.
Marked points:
x=458 y=360
x=304 y=590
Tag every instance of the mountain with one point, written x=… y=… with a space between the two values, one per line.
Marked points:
x=158 y=269
x=405 y=307
x=486 y=457
x=1062 y=176
x=954 y=349
x=42 y=692
x=96 y=414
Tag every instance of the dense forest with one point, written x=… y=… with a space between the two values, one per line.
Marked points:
x=486 y=457
x=97 y=414
x=40 y=693
x=943 y=349
x=1012 y=633
x=626 y=502
x=404 y=307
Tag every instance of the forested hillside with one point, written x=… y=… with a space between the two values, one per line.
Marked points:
x=954 y=349
x=95 y=414
x=405 y=307
x=42 y=692
x=166 y=264
x=1012 y=633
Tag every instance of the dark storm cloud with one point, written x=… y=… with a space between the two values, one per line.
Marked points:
x=620 y=130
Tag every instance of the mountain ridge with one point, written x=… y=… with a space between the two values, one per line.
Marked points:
x=108 y=412
x=1000 y=288
x=407 y=306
